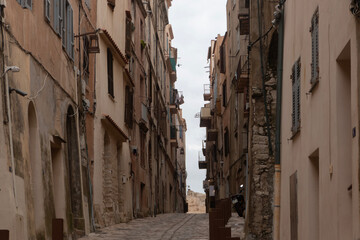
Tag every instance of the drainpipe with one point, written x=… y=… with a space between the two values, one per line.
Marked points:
x=277 y=182
x=7 y=95
x=10 y=136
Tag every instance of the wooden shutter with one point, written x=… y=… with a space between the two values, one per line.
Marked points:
x=63 y=22
x=128 y=107
x=110 y=72
x=68 y=28
x=296 y=70
x=47 y=10
x=293 y=207
x=244 y=25
x=315 y=47
x=129 y=25
x=71 y=46
x=57 y=16
x=28 y=4
x=222 y=59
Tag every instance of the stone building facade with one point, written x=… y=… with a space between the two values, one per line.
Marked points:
x=226 y=114
x=86 y=116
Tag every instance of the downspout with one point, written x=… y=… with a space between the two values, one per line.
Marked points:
x=8 y=108
x=277 y=182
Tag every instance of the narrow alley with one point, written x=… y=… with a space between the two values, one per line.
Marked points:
x=172 y=226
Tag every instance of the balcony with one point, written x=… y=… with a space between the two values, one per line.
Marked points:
x=176 y=99
x=205 y=117
x=211 y=135
x=202 y=164
x=243 y=74
x=207 y=92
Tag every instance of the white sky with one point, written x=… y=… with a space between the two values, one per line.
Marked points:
x=195 y=23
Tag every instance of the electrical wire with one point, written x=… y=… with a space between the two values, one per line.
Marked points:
x=40 y=90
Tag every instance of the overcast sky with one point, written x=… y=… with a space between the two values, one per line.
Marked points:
x=195 y=23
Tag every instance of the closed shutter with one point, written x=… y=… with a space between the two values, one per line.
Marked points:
x=315 y=47
x=47 y=10
x=293 y=207
x=56 y=15
x=129 y=25
x=63 y=22
x=110 y=73
x=69 y=32
x=296 y=70
x=28 y=4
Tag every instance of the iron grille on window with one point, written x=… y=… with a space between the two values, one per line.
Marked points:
x=315 y=47
x=296 y=71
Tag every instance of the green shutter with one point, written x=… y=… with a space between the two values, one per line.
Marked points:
x=63 y=22
x=27 y=4
x=57 y=16
x=315 y=47
x=296 y=71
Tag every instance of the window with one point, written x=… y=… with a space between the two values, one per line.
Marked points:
x=222 y=59
x=224 y=94
x=25 y=3
x=226 y=142
x=110 y=73
x=129 y=30
x=69 y=31
x=128 y=107
x=296 y=70
x=59 y=14
x=58 y=18
x=315 y=48
x=142 y=149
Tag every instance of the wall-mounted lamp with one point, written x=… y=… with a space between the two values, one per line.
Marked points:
x=11 y=68
x=17 y=91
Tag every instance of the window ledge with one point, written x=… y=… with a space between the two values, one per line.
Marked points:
x=314 y=85
x=294 y=134
x=111 y=97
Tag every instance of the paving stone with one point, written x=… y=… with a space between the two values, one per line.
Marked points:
x=175 y=226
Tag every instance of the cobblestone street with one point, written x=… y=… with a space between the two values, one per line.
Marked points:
x=164 y=227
